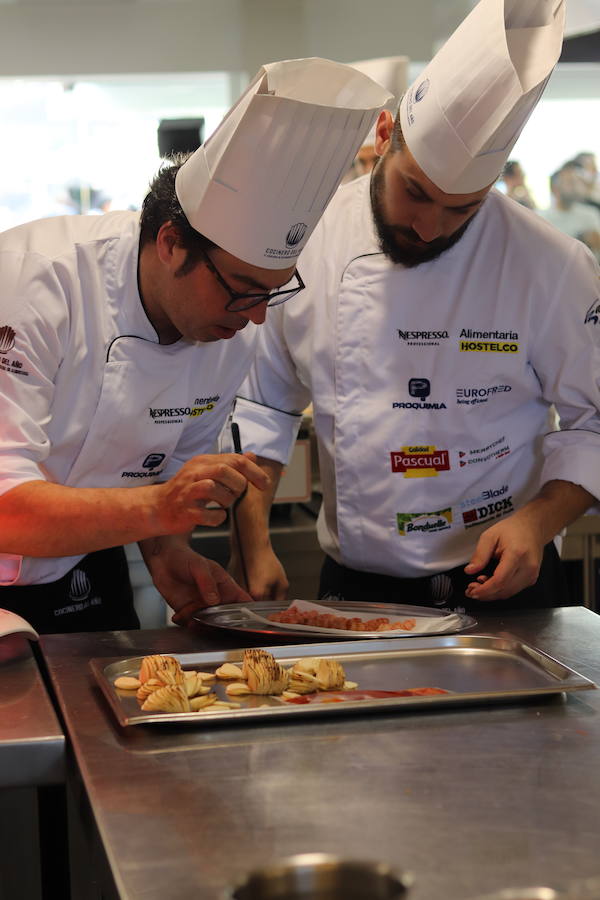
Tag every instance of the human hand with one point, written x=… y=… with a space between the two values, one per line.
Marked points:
x=518 y=546
x=220 y=478
x=266 y=575
x=189 y=581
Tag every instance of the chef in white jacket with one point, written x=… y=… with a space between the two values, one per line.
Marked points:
x=124 y=338
x=442 y=322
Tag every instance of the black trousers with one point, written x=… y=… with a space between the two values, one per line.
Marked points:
x=95 y=595
x=343 y=583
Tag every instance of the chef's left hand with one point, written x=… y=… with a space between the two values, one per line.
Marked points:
x=517 y=546
x=189 y=581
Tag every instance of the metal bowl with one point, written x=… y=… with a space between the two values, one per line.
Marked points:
x=318 y=876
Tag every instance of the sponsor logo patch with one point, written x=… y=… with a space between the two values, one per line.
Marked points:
x=420 y=389
x=153 y=460
x=495 y=450
x=422 y=338
x=487 y=512
x=420 y=461
x=488 y=341
x=424 y=523
x=485 y=496
x=173 y=414
x=480 y=394
x=150 y=464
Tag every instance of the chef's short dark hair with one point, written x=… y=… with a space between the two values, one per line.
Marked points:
x=398 y=142
x=161 y=205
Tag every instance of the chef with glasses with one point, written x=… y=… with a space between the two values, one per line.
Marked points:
x=123 y=341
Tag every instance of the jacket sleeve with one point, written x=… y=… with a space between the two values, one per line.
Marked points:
x=34 y=322
x=566 y=359
x=270 y=402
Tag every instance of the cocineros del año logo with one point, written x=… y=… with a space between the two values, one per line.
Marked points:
x=420 y=461
x=7 y=338
x=422 y=90
x=295 y=234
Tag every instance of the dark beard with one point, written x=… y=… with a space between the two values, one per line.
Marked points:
x=411 y=252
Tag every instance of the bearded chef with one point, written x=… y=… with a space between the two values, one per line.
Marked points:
x=442 y=322
x=124 y=338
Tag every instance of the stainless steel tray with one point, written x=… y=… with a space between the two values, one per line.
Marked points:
x=233 y=618
x=475 y=669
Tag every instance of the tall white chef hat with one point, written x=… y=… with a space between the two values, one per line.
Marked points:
x=390 y=72
x=260 y=184
x=463 y=115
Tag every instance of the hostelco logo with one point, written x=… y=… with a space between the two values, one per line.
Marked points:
x=420 y=462
x=295 y=234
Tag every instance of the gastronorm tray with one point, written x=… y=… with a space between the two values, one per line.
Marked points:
x=474 y=669
x=234 y=618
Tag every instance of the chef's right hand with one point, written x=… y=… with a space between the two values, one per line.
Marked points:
x=220 y=478
x=266 y=576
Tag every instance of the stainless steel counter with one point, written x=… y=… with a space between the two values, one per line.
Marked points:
x=470 y=799
x=31 y=740
x=32 y=768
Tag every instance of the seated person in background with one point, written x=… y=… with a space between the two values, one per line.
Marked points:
x=569 y=211
x=514 y=181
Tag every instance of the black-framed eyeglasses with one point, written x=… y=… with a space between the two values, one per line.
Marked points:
x=240 y=301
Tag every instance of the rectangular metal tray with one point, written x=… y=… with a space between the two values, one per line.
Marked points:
x=474 y=668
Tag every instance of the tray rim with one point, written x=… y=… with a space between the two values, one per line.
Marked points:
x=574 y=682
x=204 y=616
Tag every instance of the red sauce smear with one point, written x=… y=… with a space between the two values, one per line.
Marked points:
x=340 y=696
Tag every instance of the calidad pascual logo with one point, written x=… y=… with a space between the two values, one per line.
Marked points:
x=420 y=461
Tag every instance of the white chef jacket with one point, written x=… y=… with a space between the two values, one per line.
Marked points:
x=431 y=386
x=88 y=396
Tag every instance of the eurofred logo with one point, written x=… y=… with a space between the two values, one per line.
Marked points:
x=420 y=462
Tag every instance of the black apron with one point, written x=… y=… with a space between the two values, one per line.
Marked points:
x=95 y=595
x=446 y=590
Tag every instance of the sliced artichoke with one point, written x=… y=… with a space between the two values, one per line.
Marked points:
x=165 y=668
x=170 y=698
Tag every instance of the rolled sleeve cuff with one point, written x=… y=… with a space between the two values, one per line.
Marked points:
x=16 y=470
x=266 y=431
x=568 y=458
x=10 y=569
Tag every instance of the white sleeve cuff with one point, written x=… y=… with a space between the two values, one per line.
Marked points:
x=573 y=456
x=263 y=430
x=10 y=568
